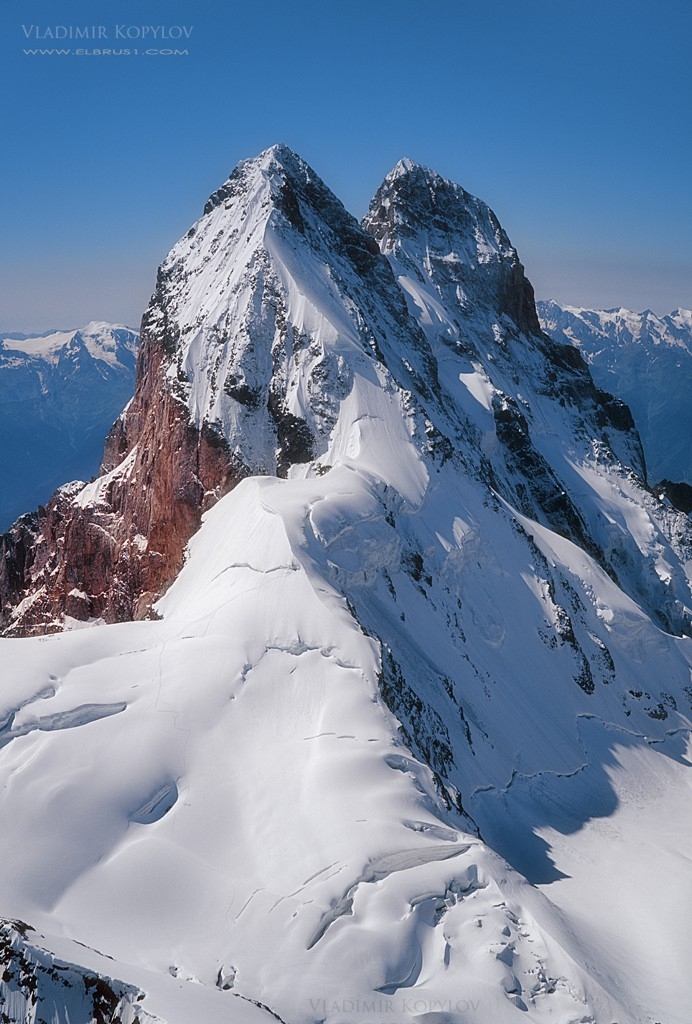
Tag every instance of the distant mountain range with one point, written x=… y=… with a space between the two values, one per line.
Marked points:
x=646 y=360
x=59 y=395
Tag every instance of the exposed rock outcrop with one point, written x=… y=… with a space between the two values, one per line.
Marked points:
x=30 y=976
x=108 y=550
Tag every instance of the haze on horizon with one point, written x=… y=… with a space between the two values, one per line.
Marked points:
x=564 y=118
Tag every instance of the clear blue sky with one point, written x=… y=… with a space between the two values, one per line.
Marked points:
x=573 y=120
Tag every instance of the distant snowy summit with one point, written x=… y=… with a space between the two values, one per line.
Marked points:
x=646 y=360
x=112 y=344
x=59 y=394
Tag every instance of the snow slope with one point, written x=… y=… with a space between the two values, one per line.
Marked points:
x=647 y=361
x=59 y=395
x=409 y=739
x=231 y=799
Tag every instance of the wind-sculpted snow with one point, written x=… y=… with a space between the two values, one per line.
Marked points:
x=383 y=754
x=296 y=843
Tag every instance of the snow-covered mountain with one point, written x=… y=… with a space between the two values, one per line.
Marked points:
x=646 y=360
x=59 y=395
x=407 y=737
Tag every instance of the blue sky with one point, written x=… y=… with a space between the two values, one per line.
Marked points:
x=572 y=120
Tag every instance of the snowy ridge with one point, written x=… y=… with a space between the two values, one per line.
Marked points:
x=387 y=751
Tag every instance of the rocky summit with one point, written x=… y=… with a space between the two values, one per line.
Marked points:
x=383 y=712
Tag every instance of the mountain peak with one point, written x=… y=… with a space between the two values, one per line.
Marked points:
x=277 y=158
x=421 y=219
x=408 y=166
x=419 y=197
x=458 y=609
x=276 y=165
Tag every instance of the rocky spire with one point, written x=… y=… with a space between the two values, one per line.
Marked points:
x=427 y=222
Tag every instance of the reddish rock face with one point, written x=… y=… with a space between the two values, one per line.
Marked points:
x=109 y=551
